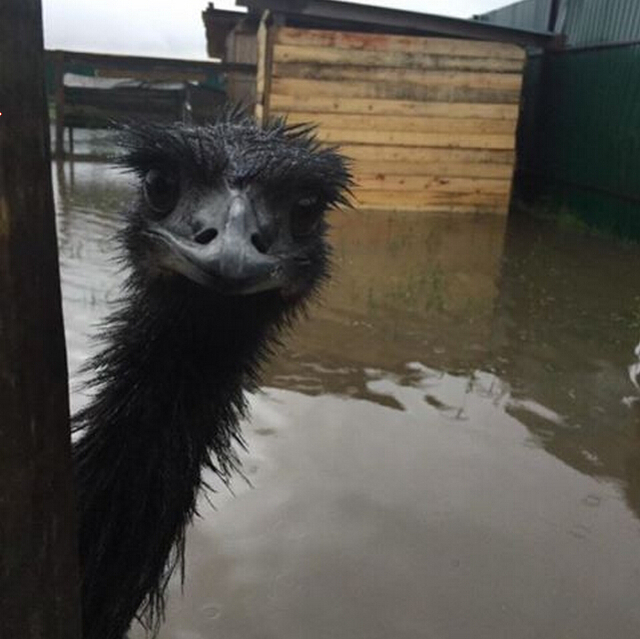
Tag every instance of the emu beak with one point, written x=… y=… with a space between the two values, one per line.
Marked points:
x=226 y=256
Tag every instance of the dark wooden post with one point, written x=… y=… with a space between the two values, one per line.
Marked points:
x=39 y=594
x=59 y=99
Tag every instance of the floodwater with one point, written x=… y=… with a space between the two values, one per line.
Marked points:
x=448 y=448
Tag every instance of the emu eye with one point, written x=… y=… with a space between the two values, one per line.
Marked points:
x=305 y=214
x=308 y=201
x=161 y=190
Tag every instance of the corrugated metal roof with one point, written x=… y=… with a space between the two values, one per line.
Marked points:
x=595 y=21
x=527 y=14
x=584 y=22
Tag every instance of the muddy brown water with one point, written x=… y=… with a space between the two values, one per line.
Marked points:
x=449 y=447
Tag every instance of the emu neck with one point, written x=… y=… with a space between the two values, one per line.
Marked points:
x=169 y=395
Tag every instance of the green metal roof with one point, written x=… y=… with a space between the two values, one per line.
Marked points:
x=527 y=14
x=595 y=21
x=585 y=22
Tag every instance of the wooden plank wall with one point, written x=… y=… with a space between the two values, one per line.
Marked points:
x=429 y=122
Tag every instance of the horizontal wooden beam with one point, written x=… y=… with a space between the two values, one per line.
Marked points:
x=418 y=199
x=411 y=139
x=408 y=91
x=373 y=206
x=145 y=63
x=414 y=46
x=312 y=103
x=392 y=75
x=424 y=155
x=432 y=183
x=405 y=124
x=395 y=59
x=370 y=168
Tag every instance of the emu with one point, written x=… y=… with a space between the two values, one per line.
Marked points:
x=225 y=244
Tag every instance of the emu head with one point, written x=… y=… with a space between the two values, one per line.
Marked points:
x=232 y=206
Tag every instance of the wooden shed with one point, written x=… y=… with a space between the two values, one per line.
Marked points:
x=429 y=121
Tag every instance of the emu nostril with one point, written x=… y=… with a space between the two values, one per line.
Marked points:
x=259 y=243
x=206 y=236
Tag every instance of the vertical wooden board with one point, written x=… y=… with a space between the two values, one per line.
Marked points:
x=59 y=100
x=245 y=45
x=261 y=71
x=39 y=582
x=265 y=40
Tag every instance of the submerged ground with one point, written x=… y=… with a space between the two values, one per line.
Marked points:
x=448 y=448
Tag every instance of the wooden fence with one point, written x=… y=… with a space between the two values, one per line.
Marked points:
x=198 y=96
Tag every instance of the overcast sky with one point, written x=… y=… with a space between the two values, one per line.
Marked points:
x=173 y=28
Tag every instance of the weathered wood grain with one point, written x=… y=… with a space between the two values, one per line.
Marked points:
x=443 y=169
x=411 y=44
x=263 y=75
x=38 y=555
x=423 y=155
x=311 y=103
x=405 y=124
x=429 y=123
x=419 y=77
x=434 y=209
x=431 y=183
x=419 y=199
x=398 y=59
x=459 y=126
x=394 y=91
x=400 y=138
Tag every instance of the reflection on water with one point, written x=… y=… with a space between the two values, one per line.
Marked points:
x=443 y=450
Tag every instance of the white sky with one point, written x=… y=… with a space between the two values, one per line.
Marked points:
x=173 y=28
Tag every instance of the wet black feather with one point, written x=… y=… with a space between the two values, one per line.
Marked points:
x=169 y=383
